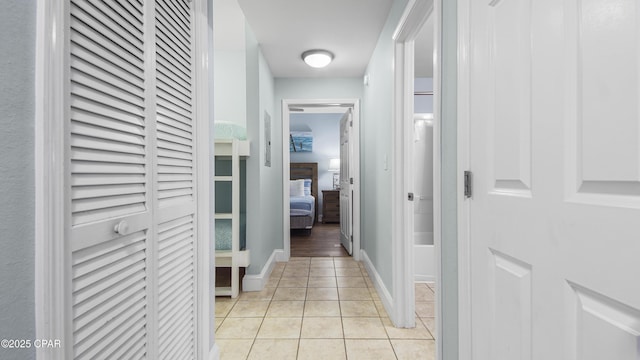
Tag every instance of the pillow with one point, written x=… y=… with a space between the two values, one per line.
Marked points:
x=307 y=187
x=296 y=188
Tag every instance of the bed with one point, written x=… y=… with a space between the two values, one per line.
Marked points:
x=303 y=191
x=231 y=150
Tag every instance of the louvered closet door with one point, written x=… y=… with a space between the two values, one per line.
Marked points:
x=109 y=181
x=175 y=180
x=131 y=206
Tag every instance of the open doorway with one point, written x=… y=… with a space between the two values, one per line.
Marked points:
x=416 y=207
x=336 y=193
x=314 y=144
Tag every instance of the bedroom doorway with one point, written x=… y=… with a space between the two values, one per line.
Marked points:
x=331 y=198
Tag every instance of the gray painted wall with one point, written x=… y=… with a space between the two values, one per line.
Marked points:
x=376 y=152
x=326 y=145
x=17 y=211
x=230 y=82
x=264 y=184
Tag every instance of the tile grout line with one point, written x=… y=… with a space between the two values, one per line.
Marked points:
x=340 y=302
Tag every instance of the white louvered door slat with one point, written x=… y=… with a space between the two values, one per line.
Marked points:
x=175 y=181
x=131 y=180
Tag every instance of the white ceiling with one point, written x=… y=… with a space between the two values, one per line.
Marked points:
x=286 y=28
x=349 y=28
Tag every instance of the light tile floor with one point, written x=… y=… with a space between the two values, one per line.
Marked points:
x=321 y=308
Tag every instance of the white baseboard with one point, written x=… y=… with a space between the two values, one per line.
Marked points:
x=280 y=255
x=214 y=353
x=384 y=294
x=257 y=282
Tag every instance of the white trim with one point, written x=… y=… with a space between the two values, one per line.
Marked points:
x=214 y=353
x=280 y=255
x=424 y=278
x=437 y=170
x=50 y=268
x=204 y=242
x=415 y=15
x=382 y=291
x=286 y=220
x=355 y=104
x=464 y=239
x=258 y=282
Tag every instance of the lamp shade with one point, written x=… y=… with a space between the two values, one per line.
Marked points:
x=334 y=165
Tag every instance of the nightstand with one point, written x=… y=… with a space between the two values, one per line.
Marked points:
x=330 y=206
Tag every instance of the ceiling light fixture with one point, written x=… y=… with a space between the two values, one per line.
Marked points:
x=317 y=58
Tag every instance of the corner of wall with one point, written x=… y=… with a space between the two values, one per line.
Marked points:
x=257 y=282
x=381 y=289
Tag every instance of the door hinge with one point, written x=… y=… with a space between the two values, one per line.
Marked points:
x=468 y=189
x=351 y=123
x=351 y=181
x=351 y=238
x=410 y=196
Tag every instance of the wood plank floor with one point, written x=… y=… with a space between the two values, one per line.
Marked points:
x=322 y=240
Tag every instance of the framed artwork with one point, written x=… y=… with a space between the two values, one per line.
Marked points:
x=300 y=141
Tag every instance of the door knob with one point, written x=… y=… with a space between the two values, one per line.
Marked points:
x=121 y=228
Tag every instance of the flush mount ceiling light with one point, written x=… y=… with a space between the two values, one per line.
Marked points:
x=317 y=58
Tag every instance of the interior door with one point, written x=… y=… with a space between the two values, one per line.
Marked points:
x=130 y=206
x=346 y=191
x=175 y=178
x=555 y=156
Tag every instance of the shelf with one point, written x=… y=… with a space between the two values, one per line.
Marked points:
x=223 y=291
x=224 y=147
x=224 y=216
x=223 y=178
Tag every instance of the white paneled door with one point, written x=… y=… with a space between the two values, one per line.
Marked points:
x=131 y=180
x=346 y=186
x=555 y=153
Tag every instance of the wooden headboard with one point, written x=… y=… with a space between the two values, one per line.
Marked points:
x=306 y=171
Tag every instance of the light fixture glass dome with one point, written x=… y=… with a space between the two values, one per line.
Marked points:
x=317 y=58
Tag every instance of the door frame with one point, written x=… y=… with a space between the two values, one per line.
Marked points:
x=348 y=116
x=462 y=163
x=51 y=308
x=286 y=113
x=52 y=304
x=415 y=15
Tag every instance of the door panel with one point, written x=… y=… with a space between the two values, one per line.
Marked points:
x=108 y=184
x=175 y=180
x=346 y=194
x=510 y=86
x=554 y=147
x=603 y=160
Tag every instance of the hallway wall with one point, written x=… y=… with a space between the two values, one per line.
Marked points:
x=376 y=151
x=316 y=88
x=17 y=175
x=230 y=79
x=264 y=221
